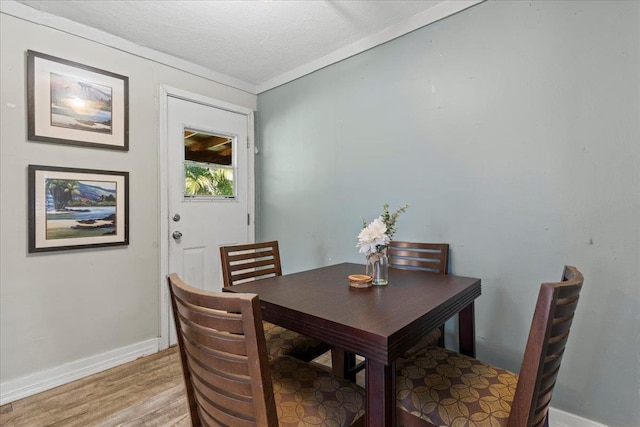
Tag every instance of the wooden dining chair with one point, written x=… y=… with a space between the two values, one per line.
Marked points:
x=229 y=378
x=254 y=261
x=438 y=387
x=431 y=257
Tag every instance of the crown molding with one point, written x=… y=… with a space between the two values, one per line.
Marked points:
x=20 y=11
x=419 y=20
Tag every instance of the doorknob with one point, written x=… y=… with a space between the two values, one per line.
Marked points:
x=177 y=235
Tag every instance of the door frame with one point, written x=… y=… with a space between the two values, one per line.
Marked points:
x=165 y=93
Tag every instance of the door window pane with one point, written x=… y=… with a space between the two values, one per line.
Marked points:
x=208 y=165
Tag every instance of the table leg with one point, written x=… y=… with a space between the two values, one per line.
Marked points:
x=381 y=394
x=340 y=363
x=467 y=331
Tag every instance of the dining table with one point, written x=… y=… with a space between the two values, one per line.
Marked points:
x=379 y=323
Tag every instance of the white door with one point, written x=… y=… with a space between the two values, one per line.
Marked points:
x=208 y=190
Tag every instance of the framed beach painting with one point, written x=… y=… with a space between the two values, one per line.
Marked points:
x=72 y=103
x=77 y=208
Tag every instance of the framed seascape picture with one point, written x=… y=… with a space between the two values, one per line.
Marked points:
x=77 y=208
x=71 y=103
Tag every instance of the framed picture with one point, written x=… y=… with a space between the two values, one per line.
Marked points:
x=77 y=208
x=71 y=103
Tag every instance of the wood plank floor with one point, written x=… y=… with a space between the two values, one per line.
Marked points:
x=146 y=392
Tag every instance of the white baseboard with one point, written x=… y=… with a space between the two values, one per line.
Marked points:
x=559 y=418
x=44 y=380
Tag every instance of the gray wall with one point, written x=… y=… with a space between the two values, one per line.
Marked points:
x=512 y=130
x=57 y=308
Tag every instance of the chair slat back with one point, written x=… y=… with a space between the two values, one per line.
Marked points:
x=432 y=257
x=242 y=263
x=550 y=327
x=224 y=357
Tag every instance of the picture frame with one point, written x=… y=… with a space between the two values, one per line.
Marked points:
x=75 y=104
x=72 y=208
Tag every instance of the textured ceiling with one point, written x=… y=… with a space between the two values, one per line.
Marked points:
x=253 y=41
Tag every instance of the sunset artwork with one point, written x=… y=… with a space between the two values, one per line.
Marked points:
x=76 y=104
x=82 y=105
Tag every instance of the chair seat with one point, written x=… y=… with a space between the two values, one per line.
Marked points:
x=429 y=340
x=306 y=395
x=285 y=342
x=447 y=388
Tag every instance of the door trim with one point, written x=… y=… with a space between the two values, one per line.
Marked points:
x=165 y=93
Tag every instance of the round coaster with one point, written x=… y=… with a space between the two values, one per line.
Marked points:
x=359 y=280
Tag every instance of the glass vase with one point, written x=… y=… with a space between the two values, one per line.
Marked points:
x=378 y=267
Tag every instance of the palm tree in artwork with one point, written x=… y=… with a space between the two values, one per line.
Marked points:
x=62 y=191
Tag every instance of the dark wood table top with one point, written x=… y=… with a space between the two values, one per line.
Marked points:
x=380 y=322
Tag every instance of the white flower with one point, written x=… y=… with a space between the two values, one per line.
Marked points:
x=372 y=236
